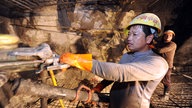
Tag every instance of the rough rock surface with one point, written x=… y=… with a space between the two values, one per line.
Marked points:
x=96 y=29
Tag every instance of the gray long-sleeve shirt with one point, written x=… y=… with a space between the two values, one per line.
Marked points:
x=136 y=78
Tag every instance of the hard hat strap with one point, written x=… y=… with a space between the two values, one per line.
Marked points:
x=154 y=32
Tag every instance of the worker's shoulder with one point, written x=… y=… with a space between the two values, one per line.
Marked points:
x=172 y=45
x=175 y=45
x=172 y=42
x=155 y=56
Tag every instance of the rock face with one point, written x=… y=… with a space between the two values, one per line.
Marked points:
x=95 y=27
x=98 y=28
x=184 y=52
x=91 y=30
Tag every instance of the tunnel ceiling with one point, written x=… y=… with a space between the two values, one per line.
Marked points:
x=21 y=8
x=174 y=14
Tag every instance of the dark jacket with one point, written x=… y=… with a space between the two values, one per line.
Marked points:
x=167 y=50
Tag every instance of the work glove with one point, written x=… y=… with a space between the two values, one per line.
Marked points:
x=81 y=61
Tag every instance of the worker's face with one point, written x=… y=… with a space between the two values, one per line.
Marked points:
x=168 y=37
x=137 y=40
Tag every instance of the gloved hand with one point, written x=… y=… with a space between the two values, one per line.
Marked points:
x=81 y=61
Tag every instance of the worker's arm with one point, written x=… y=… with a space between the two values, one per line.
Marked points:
x=147 y=69
x=143 y=69
x=100 y=86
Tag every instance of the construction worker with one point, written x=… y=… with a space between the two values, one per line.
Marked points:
x=138 y=72
x=166 y=47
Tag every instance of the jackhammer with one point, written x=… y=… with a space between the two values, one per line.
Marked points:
x=41 y=59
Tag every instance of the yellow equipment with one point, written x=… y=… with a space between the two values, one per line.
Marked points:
x=8 y=41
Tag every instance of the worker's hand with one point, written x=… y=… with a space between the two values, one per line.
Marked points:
x=98 y=88
x=81 y=61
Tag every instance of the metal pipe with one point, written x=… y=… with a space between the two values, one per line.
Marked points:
x=30 y=3
x=44 y=75
x=43 y=90
x=22 y=4
x=7 y=64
